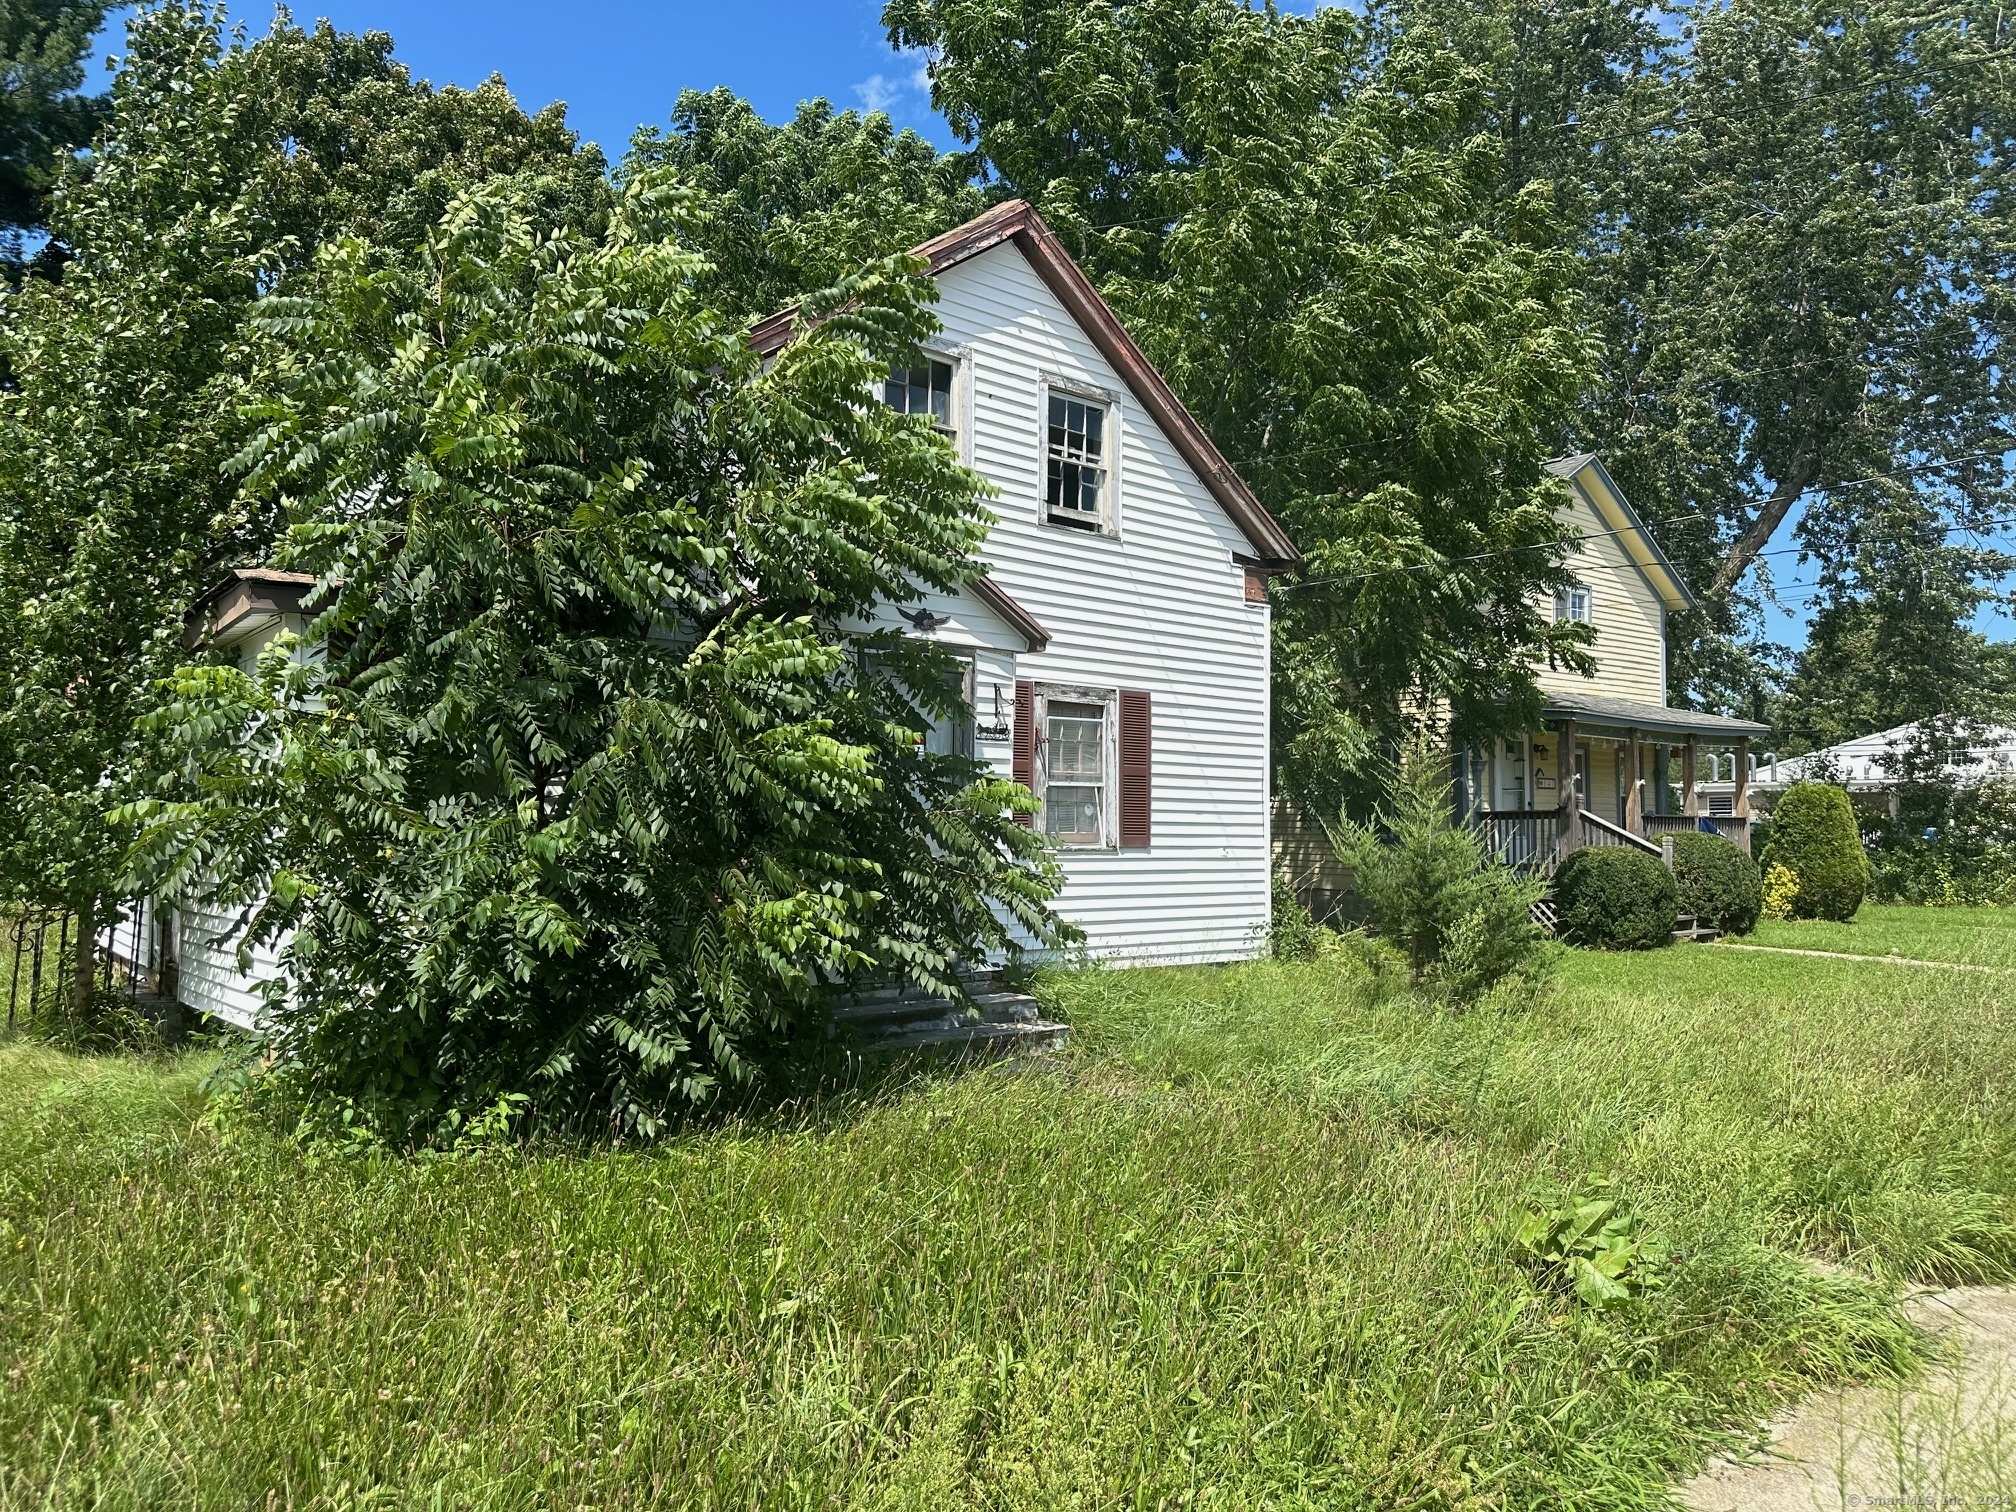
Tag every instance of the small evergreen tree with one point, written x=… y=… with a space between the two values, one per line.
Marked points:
x=581 y=790
x=1814 y=836
x=1464 y=921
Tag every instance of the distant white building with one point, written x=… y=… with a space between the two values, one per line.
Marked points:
x=1868 y=766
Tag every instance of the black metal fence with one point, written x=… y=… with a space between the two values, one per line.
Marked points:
x=41 y=949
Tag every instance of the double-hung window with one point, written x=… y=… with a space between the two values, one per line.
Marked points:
x=1074 y=772
x=924 y=388
x=1577 y=603
x=1078 y=455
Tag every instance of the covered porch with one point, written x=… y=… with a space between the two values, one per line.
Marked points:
x=1606 y=771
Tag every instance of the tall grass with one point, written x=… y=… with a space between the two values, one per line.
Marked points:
x=1244 y=1246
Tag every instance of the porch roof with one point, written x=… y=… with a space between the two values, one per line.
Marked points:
x=1592 y=709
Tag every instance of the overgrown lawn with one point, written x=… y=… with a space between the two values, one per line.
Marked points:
x=1245 y=1245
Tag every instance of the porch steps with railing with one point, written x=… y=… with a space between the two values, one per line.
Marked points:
x=1000 y=1021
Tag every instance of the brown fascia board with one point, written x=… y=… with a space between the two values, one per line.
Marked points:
x=245 y=593
x=1025 y=624
x=1018 y=221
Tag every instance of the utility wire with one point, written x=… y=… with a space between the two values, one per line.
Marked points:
x=1596 y=535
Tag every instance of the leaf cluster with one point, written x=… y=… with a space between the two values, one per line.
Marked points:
x=1588 y=1243
x=589 y=780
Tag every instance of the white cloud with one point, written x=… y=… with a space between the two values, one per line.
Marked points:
x=879 y=92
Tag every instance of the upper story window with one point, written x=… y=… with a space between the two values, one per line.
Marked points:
x=1577 y=604
x=923 y=389
x=1079 y=458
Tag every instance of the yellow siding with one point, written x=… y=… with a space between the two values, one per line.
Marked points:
x=1630 y=647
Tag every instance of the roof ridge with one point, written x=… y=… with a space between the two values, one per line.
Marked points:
x=1020 y=222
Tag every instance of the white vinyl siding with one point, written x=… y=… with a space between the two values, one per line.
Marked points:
x=1629 y=620
x=1160 y=607
x=206 y=953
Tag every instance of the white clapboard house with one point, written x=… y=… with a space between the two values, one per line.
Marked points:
x=1117 y=653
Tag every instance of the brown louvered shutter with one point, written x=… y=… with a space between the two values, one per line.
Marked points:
x=1137 y=766
x=1025 y=742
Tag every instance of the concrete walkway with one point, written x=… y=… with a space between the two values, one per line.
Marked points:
x=1946 y=1440
x=1842 y=955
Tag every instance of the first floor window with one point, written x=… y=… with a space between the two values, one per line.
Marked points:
x=952 y=734
x=1074 y=788
x=1077 y=455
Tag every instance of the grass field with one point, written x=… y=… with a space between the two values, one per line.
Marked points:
x=1969 y=936
x=1244 y=1246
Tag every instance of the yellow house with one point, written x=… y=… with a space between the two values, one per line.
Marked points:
x=1612 y=764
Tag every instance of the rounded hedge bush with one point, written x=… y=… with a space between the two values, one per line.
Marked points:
x=1616 y=899
x=1814 y=836
x=1718 y=883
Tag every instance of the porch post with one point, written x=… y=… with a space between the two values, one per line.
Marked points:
x=1634 y=786
x=1690 y=770
x=1568 y=820
x=1742 y=807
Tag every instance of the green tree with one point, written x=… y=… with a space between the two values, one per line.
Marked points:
x=43 y=44
x=1803 y=266
x=1793 y=226
x=1300 y=219
x=1814 y=835
x=585 y=789
x=1464 y=922
x=220 y=170
x=784 y=210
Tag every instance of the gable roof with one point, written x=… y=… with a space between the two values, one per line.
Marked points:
x=1017 y=221
x=1590 y=478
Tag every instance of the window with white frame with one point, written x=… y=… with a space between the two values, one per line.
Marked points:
x=923 y=388
x=1078 y=456
x=1577 y=603
x=1076 y=768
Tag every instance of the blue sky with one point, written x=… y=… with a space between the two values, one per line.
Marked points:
x=621 y=63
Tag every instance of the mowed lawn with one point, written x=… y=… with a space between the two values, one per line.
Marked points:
x=1244 y=1245
x=1966 y=936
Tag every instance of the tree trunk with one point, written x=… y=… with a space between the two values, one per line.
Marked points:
x=85 y=987
x=1763 y=525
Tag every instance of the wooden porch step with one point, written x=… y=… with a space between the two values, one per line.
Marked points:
x=1687 y=929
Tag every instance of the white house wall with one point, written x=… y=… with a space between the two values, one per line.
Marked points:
x=1159 y=607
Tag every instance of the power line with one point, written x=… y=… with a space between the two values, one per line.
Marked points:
x=1571 y=540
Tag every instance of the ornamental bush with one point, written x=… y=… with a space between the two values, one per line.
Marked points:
x=1814 y=836
x=1612 y=898
x=1718 y=882
x=1464 y=921
x=585 y=790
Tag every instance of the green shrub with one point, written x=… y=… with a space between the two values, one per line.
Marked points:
x=1718 y=882
x=1814 y=836
x=1464 y=921
x=1616 y=899
x=1293 y=933
x=1588 y=1243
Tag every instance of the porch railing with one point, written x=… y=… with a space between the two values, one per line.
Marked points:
x=1734 y=829
x=1521 y=838
x=1530 y=839
x=1598 y=831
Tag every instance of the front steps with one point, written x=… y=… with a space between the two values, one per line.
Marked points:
x=1688 y=930
x=893 y=1020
